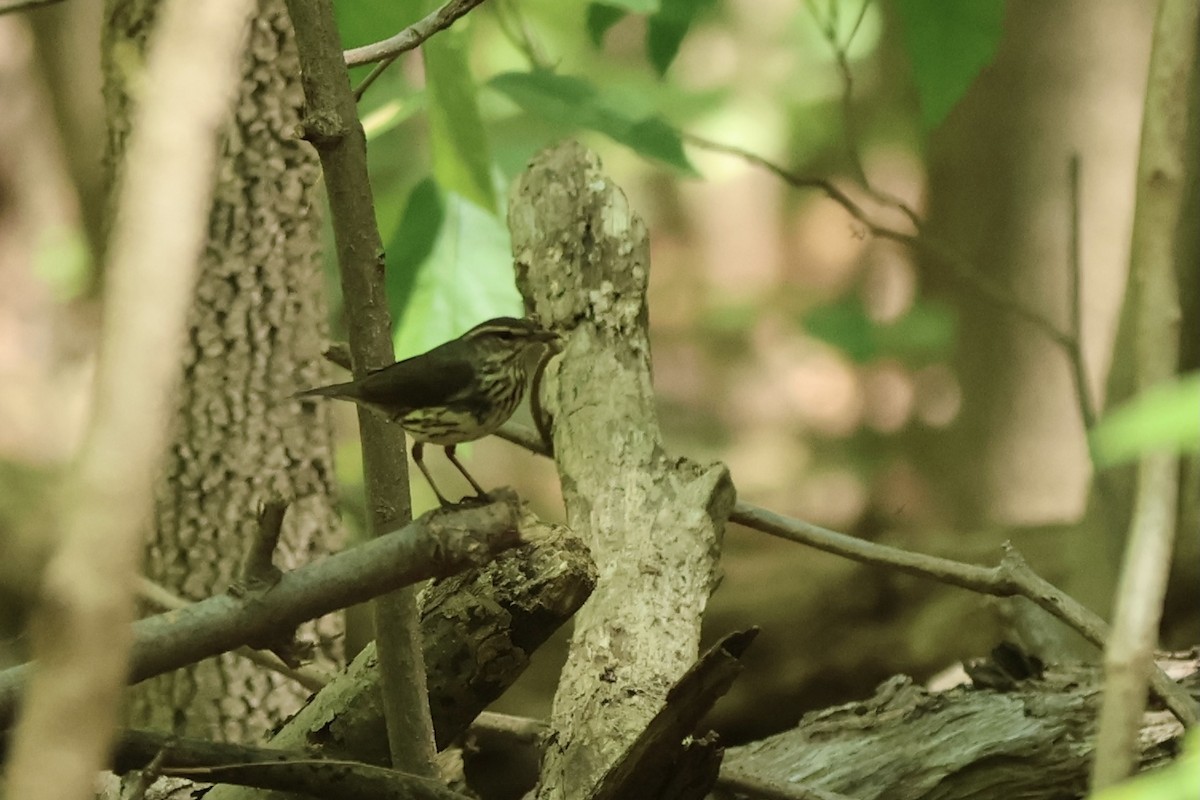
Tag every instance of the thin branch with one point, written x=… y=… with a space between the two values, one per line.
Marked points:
x=269 y=768
x=1011 y=578
x=165 y=600
x=332 y=126
x=958 y=265
x=373 y=76
x=411 y=37
x=13 y=6
x=258 y=568
x=841 y=56
x=516 y=30
x=1161 y=245
x=80 y=626
x=1083 y=387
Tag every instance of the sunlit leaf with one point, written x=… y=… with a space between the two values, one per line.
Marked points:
x=636 y=6
x=948 y=44
x=666 y=29
x=573 y=101
x=414 y=240
x=389 y=115
x=361 y=22
x=601 y=17
x=467 y=278
x=1164 y=417
x=461 y=157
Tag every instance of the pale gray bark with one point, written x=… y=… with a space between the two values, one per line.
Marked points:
x=1035 y=741
x=653 y=522
x=256 y=332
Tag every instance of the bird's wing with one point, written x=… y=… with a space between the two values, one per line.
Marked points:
x=433 y=378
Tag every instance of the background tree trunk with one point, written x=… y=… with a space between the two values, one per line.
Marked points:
x=1068 y=78
x=256 y=332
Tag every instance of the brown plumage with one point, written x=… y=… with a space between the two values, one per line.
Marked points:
x=457 y=392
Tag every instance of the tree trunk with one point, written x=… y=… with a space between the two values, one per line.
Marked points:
x=1068 y=78
x=256 y=333
x=653 y=523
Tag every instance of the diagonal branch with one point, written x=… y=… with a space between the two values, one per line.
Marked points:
x=439 y=543
x=1012 y=577
x=411 y=37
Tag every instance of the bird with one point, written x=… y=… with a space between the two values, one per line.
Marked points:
x=457 y=392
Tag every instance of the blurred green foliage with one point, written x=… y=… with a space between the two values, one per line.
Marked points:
x=924 y=334
x=1164 y=417
x=511 y=78
x=1179 y=780
x=948 y=45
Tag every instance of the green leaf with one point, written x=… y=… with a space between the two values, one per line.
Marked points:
x=361 y=22
x=846 y=326
x=948 y=44
x=666 y=29
x=389 y=115
x=601 y=17
x=572 y=101
x=656 y=139
x=467 y=278
x=1175 y=781
x=925 y=333
x=62 y=258
x=412 y=244
x=1164 y=417
x=636 y=6
x=462 y=160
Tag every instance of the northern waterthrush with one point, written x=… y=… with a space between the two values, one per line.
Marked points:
x=457 y=392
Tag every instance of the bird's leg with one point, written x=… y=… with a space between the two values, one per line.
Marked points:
x=474 y=484
x=418 y=456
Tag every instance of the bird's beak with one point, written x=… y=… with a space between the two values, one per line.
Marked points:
x=552 y=338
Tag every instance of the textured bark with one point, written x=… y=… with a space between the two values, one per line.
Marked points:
x=479 y=630
x=1034 y=742
x=652 y=522
x=255 y=337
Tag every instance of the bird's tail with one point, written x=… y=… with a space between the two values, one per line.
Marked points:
x=339 y=390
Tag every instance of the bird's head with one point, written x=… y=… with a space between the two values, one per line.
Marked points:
x=510 y=335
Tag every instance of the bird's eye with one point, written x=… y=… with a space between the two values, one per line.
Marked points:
x=505 y=335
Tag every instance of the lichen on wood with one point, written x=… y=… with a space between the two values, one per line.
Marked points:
x=653 y=522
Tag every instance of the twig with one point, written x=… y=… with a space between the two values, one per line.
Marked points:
x=12 y=6
x=80 y=626
x=164 y=600
x=258 y=569
x=1083 y=387
x=373 y=76
x=332 y=126
x=958 y=265
x=1012 y=577
x=412 y=36
x=1157 y=256
x=516 y=30
x=829 y=29
x=266 y=768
